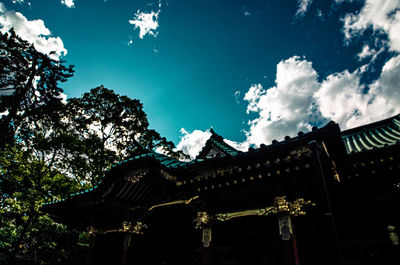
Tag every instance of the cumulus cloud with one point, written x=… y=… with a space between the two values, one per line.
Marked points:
x=68 y=3
x=285 y=107
x=298 y=100
x=341 y=96
x=378 y=15
x=33 y=31
x=303 y=7
x=192 y=143
x=146 y=22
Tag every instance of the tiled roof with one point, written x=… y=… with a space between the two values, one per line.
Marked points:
x=217 y=142
x=375 y=135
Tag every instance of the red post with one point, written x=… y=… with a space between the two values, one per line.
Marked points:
x=288 y=241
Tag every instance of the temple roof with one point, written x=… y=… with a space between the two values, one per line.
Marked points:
x=216 y=146
x=371 y=136
x=148 y=180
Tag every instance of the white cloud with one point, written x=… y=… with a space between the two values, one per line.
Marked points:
x=192 y=143
x=366 y=52
x=284 y=108
x=303 y=7
x=379 y=15
x=33 y=31
x=244 y=146
x=68 y=3
x=298 y=99
x=17 y=1
x=341 y=97
x=146 y=22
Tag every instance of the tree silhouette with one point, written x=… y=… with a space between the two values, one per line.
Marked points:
x=111 y=128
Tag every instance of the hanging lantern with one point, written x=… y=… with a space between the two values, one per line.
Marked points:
x=206 y=236
x=285 y=227
x=394 y=237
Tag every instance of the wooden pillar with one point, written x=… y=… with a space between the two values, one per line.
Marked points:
x=125 y=248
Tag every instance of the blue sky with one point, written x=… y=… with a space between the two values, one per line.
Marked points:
x=253 y=70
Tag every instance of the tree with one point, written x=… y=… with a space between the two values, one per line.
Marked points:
x=26 y=183
x=31 y=135
x=29 y=87
x=50 y=148
x=111 y=128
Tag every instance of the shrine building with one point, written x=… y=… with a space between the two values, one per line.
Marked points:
x=322 y=197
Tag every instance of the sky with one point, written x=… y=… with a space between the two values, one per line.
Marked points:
x=253 y=70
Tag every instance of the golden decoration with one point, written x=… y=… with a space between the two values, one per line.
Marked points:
x=91 y=231
x=127 y=227
x=202 y=220
x=281 y=206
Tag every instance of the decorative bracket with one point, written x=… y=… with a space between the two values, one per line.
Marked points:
x=281 y=206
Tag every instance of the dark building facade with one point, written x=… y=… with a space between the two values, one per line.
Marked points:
x=323 y=197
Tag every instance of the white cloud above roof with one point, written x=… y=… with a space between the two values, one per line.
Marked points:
x=192 y=143
x=284 y=108
x=34 y=31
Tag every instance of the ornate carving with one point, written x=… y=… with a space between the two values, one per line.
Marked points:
x=202 y=220
x=91 y=231
x=136 y=175
x=295 y=208
x=128 y=227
